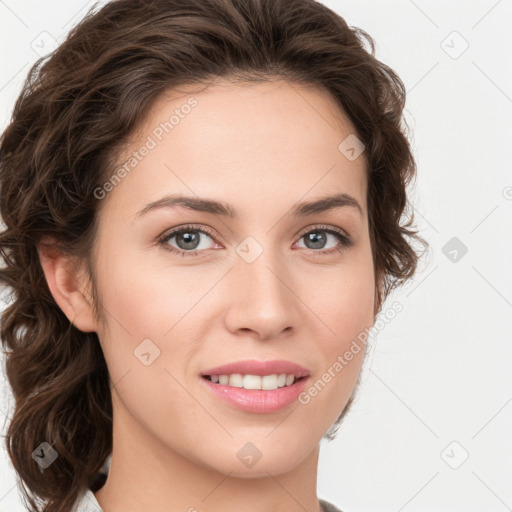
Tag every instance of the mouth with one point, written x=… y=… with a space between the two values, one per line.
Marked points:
x=265 y=393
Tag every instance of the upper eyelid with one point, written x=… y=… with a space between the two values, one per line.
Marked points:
x=174 y=231
x=321 y=227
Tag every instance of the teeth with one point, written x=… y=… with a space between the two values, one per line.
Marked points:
x=267 y=382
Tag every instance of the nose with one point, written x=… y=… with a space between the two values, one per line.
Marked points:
x=261 y=298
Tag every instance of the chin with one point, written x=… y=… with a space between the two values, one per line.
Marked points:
x=257 y=455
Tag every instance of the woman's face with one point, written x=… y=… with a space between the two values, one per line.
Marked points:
x=264 y=284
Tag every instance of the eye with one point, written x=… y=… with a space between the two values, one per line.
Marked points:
x=318 y=237
x=188 y=239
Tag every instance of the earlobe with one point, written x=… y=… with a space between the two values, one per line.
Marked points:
x=68 y=286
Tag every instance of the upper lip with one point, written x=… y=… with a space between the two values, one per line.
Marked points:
x=252 y=367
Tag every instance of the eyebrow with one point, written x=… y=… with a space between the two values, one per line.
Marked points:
x=226 y=210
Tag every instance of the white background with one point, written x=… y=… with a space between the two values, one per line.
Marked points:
x=436 y=387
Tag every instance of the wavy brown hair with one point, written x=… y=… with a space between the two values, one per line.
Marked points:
x=77 y=106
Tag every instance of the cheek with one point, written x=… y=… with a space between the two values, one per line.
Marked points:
x=342 y=298
x=148 y=299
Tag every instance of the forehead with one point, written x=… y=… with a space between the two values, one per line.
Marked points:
x=243 y=141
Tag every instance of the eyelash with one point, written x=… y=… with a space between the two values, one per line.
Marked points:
x=346 y=242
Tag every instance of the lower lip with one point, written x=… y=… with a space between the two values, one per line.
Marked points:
x=257 y=400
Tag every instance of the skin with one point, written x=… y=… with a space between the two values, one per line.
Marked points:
x=261 y=148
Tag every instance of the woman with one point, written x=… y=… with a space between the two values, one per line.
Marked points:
x=204 y=212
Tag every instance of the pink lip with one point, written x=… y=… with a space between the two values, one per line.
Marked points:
x=252 y=367
x=257 y=400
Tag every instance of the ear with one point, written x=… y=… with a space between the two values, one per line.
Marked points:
x=68 y=285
